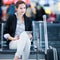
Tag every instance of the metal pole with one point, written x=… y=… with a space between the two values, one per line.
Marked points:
x=40 y=32
x=2 y=35
x=45 y=33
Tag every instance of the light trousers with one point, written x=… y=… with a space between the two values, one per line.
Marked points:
x=22 y=45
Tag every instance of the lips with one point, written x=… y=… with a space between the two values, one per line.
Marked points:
x=22 y=12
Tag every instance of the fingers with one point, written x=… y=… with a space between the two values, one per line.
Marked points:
x=16 y=38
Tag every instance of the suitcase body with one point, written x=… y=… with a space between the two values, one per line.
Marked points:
x=52 y=54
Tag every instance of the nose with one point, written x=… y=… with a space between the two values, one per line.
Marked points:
x=23 y=10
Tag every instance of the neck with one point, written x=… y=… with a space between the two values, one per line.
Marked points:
x=20 y=17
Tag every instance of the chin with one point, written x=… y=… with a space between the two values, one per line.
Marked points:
x=22 y=14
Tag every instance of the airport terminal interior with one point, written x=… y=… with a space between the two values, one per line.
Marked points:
x=45 y=41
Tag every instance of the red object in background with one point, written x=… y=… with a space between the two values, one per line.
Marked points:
x=51 y=18
x=9 y=1
x=14 y=1
x=6 y=1
x=27 y=1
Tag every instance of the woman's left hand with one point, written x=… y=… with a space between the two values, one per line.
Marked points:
x=30 y=35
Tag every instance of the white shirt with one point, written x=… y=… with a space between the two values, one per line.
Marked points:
x=19 y=29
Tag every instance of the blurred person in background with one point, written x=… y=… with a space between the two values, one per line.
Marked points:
x=4 y=14
x=30 y=12
x=11 y=9
x=0 y=14
x=51 y=18
x=17 y=31
x=39 y=13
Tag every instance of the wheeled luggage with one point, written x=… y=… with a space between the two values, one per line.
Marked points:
x=51 y=54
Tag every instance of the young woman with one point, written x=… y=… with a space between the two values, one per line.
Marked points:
x=16 y=33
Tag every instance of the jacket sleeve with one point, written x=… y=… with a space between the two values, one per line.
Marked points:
x=30 y=25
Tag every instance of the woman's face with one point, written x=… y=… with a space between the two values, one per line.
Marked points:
x=21 y=9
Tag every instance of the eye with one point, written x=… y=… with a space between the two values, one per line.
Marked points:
x=24 y=7
x=20 y=8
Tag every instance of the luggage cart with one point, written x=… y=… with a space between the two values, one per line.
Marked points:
x=40 y=37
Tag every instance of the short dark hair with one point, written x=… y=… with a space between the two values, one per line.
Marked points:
x=19 y=2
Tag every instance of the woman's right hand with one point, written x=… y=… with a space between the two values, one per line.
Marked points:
x=13 y=38
x=16 y=38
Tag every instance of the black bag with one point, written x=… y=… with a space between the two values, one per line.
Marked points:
x=51 y=54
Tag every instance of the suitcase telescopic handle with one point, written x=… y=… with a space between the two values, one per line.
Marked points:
x=45 y=33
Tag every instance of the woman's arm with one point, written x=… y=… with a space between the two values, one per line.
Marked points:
x=30 y=36
x=8 y=37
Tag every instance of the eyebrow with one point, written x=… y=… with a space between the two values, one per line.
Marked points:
x=23 y=7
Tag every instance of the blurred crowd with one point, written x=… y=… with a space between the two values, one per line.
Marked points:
x=35 y=12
